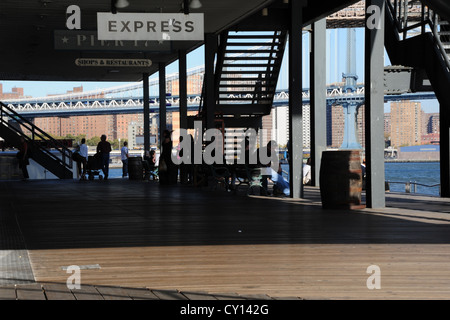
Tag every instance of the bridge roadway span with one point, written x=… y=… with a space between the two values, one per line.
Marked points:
x=38 y=107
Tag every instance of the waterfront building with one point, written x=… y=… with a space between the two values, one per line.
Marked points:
x=16 y=93
x=406 y=123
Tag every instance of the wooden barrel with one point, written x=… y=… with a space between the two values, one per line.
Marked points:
x=341 y=179
x=135 y=168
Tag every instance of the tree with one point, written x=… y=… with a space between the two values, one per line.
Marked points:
x=115 y=144
x=93 y=141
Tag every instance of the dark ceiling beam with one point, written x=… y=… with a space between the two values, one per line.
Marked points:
x=278 y=15
x=442 y=7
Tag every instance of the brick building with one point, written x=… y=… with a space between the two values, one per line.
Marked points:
x=406 y=123
x=16 y=93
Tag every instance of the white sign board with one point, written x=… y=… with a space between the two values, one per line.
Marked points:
x=150 y=26
x=88 y=62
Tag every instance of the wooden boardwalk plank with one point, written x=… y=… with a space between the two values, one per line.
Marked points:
x=87 y=292
x=198 y=295
x=258 y=297
x=169 y=295
x=8 y=293
x=287 y=298
x=30 y=292
x=227 y=296
x=113 y=293
x=140 y=294
x=57 y=291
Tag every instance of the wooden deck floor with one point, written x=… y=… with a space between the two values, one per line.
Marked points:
x=128 y=235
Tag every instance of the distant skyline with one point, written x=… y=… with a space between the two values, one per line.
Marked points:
x=336 y=62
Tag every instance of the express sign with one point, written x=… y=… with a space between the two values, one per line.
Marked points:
x=150 y=26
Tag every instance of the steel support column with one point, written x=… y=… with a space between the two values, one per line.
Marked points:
x=295 y=100
x=318 y=111
x=209 y=102
x=162 y=101
x=182 y=72
x=374 y=103
x=146 y=106
x=444 y=126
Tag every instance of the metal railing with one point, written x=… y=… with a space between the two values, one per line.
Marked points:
x=411 y=186
x=410 y=15
x=9 y=116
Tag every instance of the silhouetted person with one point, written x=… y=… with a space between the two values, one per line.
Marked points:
x=150 y=164
x=82 y=159
x=104 y=148
x=23 y=156
x=170 y=174
x=124 y=157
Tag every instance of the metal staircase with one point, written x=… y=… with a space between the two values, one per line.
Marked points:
x=444 y=35
x=246 y=74
x=413 y=28
x=46 y=151
x=423 y=44
x=417 y=37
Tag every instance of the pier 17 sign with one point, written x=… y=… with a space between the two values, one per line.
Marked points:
x=150 y=26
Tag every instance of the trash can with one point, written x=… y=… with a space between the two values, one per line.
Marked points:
x=135 y=168
x=341 y=179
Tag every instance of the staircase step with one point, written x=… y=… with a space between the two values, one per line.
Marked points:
x=256 y=72
x=244 y=85
x=244 y=109
x=264 y=100
x=245 y=92
x=250 y=44
x=249 y=58
x=254 y=36
x=247 y=79
x=252 y=51
x=248 y=65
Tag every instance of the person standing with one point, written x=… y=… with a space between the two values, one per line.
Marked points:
x=83 y=158
x=124 y=157
x=104 y=148
x=307 y=172
x=23 y=156
x=168 y=172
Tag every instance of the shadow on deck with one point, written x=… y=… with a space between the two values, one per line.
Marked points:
x=56 y=221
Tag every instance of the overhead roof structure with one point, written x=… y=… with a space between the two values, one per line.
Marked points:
x=27 y=33
x=27 y=30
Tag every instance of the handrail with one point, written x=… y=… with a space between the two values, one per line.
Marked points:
x=414 y=184
x=7 y=113
x=427 y=17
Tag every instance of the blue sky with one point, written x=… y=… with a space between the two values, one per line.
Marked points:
x=336 y=53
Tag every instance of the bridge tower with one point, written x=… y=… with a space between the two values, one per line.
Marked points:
x=349 y=104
